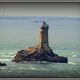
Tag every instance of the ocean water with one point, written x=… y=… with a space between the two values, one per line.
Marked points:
x=17 y=33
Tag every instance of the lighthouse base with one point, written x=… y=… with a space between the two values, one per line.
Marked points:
x=39 y=55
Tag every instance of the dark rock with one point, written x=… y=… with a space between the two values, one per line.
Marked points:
x=2 y=64
x=42 y=55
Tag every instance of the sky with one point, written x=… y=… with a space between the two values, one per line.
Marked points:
x=40 y=9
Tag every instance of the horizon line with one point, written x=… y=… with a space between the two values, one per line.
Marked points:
x=39 y=16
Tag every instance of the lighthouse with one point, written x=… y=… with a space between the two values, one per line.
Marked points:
x=41 y=52
x=44 y=35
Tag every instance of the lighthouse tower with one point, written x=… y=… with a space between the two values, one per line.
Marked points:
x=44 y=35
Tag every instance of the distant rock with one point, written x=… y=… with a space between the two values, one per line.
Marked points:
x=2 y=64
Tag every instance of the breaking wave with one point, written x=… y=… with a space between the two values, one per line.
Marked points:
x=73 y=63
x=74 y=55
x=5 y=59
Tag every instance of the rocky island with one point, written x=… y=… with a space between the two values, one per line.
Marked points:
x=41 y=52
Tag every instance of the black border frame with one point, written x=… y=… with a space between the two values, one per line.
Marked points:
x=39 y=0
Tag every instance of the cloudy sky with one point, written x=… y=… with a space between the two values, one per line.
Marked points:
x=40 y=9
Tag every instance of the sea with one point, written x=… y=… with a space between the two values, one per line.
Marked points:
x=20 y=32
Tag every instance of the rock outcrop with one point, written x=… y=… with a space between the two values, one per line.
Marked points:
x=37 y=54
x=2 y=64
